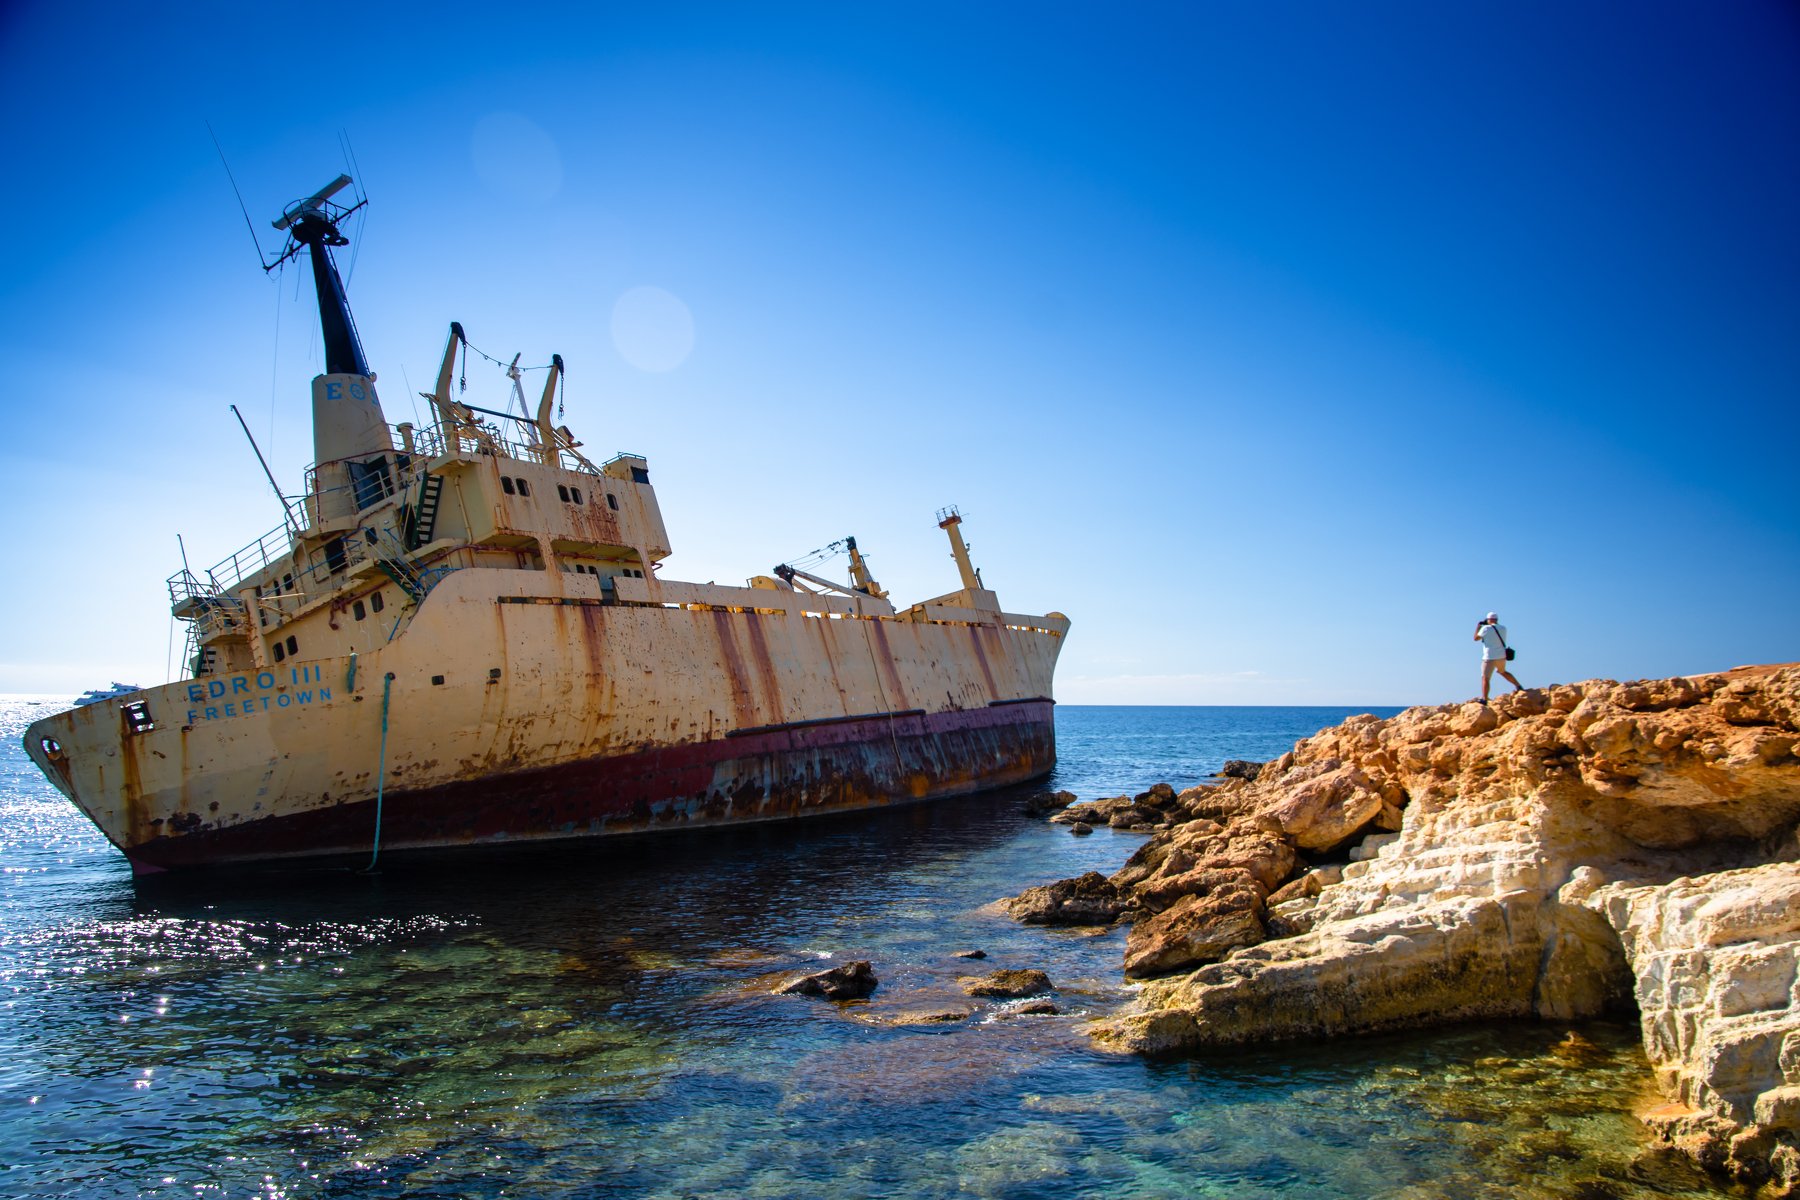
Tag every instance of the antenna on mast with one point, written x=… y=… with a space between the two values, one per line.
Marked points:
x=313 y=223
x=242 y=207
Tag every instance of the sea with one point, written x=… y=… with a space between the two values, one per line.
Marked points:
x=600 y=1022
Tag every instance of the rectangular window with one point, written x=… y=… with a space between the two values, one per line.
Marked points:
x=376 y=602
x=524 y=488
x=137 y=717
x=506 y=484
x=563 y=492
x=293 y=646
x=370 y=481
x=612 y=502
x=358 y=611
x=576 y=493
x=334 y=555
x=280 y=653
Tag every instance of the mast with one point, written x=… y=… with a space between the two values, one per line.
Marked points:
x=311 y=223
x=351 y=442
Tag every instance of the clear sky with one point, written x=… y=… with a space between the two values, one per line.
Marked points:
x=1274 y=343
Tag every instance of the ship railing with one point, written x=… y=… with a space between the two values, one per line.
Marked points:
x=491 y=438
x=186 y=588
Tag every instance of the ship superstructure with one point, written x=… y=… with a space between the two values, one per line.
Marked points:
x=459 y=636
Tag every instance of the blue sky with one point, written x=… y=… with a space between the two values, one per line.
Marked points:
x=1273 y=343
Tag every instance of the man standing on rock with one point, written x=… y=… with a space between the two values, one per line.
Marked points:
x=1492 y=636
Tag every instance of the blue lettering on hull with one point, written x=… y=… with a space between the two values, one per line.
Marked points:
x=249 y=687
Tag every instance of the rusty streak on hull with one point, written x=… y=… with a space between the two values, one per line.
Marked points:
x=763 y=775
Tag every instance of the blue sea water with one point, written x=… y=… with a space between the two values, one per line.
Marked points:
x=599 y=1023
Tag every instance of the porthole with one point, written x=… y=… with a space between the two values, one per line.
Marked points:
x=506 y=484
x=293 y=646
x=612 y=502
x=563 y=492
x=576 y=493
x=376 y=602
x=524 y=488
x=280 y=652
x=358 y=611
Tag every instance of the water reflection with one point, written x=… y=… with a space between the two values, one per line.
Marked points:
x=597 y=1022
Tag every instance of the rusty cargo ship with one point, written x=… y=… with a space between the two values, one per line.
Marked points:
x=459 y=636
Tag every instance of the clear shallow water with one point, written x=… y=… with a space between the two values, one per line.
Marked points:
x=598 y=1024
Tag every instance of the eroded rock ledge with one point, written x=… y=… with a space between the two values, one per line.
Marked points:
x=1560 y=853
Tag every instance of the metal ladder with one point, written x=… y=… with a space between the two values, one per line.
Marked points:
x=390 y=558
x=421 y=522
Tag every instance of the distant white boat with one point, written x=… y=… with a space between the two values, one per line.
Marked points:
x=112 y=693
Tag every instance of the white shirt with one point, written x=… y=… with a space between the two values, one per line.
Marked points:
x=1493 y=643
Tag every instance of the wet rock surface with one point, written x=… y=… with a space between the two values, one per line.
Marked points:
x=1237 y=768
x=1556 y=854
x=1007 y=985
x=851 y=981
x=1089 y=899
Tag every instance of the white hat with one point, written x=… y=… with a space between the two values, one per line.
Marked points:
x=1493 y=616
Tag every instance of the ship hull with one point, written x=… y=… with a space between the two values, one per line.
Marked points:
x=504 y=713
x=771 y=775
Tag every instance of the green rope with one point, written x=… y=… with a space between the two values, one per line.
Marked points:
x=381 y=770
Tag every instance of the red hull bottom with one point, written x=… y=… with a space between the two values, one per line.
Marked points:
x=753 y=775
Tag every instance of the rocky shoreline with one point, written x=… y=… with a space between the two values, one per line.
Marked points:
x=1559 y=854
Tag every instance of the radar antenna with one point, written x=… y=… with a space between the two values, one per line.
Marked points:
x=313 y=223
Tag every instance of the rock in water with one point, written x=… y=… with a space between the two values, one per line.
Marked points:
x=852 y=981
x=1088 y=899
x=1049 y=802
x=1007 y=985
x=1237 y=768
x=1558 y=852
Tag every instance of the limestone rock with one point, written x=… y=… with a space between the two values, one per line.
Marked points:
x=1717 y=963
x=1089 y=899
x=1237 y=768
x=1049 y=802
x=1201 y=927
x=1093 y=812
x=1549 y=855
x=851 y=981
x=1007 y=985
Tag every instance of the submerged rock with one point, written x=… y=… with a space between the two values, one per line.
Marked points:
x=916 y=1014
x=851 y=981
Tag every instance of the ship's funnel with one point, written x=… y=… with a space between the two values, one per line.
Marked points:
x=351 y=445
